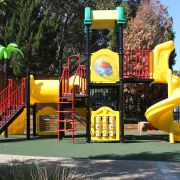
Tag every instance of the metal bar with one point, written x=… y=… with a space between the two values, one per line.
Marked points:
x=88 y=56
x=60 y=83
x=34 y=120
x=121 y=83
x=73 y=118
x=6 y=85
x=28 y=103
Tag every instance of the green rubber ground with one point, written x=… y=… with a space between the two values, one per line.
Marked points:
x=145 y=147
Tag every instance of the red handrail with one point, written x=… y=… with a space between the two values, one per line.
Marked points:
x=13 y=103
x=81 y=75
x=5 y=94
x=64 y=81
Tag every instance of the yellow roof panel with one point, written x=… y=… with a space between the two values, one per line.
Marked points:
x=104 y=18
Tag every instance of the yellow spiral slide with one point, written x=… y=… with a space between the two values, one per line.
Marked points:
x=160 y=115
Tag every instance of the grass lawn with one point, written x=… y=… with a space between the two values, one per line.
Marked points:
x=149 y=146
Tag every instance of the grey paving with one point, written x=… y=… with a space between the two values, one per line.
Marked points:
x=107 y=169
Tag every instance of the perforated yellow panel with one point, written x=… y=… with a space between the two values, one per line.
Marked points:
x=105 y=125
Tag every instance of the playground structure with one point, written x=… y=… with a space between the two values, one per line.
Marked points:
x=98 y=86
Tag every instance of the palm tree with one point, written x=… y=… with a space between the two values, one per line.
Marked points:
x=5 y=52
x=2 y=50
x=12 y=48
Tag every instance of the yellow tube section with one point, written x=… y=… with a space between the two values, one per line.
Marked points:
x=160 y=115
x=43 y=91
x=47 y=91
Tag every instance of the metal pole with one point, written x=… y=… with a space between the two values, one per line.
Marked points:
x=28 y=103
x=34 y=120
x=88 y=56
x=118 y=87
x=60 y=67
x=6 y=85
x=121 y=84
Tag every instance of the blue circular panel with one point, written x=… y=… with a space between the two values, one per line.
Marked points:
x=103 y=68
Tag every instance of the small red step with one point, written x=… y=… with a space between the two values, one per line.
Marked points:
x=61 y=130
x=68 y=120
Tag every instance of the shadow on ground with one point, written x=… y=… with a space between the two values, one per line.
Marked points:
x=145 y=156
x=93 y=169
x=147 y=137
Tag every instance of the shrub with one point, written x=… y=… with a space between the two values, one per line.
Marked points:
x=37 y=171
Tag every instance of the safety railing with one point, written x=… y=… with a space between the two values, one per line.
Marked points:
x=13 y=103
x=81 y=76
x=64 y=81
x=5 y=94
x=138 y=64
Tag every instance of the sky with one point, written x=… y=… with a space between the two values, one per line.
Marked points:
x=174 y=12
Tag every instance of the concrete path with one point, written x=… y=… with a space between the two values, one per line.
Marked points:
x=107 y=169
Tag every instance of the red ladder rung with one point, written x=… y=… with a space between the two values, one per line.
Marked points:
x=68 y=120
x=66 y=111
x=63 y=102
x=61 y=130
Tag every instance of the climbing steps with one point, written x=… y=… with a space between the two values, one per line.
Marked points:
x=67 y=96
x=66 y=116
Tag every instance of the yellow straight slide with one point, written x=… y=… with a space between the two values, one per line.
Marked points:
x=160 y=115
x=18 y=125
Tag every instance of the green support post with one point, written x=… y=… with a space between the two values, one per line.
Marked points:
x=88 y=16
x=87 y=23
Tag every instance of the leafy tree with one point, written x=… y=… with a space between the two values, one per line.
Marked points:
x=151 y=26
x=70 y=37
x=33 y=28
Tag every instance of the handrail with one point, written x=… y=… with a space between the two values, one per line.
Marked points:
x=81 y=73
x=13 y=103
x=64 y=81
x=5 y=94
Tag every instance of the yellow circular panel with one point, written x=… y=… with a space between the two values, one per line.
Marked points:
x=104 y=66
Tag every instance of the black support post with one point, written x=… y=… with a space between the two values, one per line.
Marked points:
x=28 y=103
x=6 y=85
x=88 y=56
x=121 y=83
x=6 y=72
x=34 y=120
